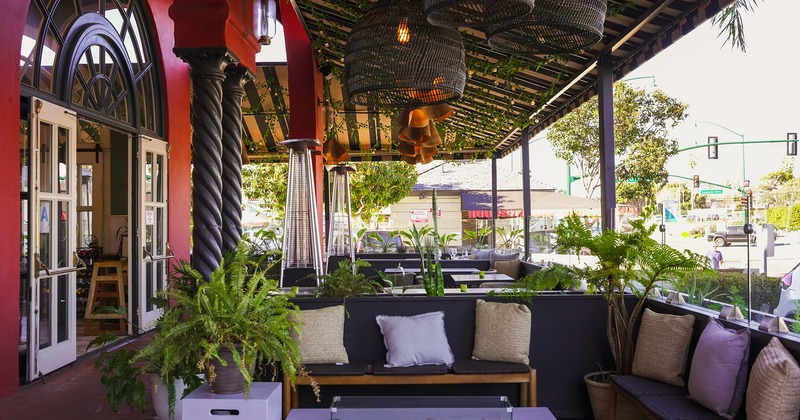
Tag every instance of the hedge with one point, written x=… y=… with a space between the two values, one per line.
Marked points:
x=778 y=217
x=766 y=290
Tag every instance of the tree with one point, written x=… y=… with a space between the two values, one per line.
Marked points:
x=780 y=187
x=730 y=24
x=373 y=186
x=641 y=141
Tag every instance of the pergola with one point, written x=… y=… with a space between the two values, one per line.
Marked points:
x=507 y=100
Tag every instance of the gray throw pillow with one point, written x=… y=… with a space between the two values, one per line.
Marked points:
x=415 y=340
x=718 y=375
x=509 y=268
x=495 y=256
x=481 y=254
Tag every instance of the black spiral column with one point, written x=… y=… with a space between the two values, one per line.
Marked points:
x=207 y=76
x=232 y=93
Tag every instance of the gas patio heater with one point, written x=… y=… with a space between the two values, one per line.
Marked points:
x=302 y=251
x=340 y=229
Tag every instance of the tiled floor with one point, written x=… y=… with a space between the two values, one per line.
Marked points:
x=74 y=392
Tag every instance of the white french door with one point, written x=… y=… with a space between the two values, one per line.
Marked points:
x=52 y=238
x=155 y=256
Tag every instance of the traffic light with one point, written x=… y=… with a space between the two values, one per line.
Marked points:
x=713 y=149
x=791 y=144
x=697 y=181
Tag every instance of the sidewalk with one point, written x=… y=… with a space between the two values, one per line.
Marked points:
x=74 y=392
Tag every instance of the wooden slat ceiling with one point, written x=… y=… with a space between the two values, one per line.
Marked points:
x=546 y=89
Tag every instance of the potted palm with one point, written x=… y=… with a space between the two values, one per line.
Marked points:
x=629 y=265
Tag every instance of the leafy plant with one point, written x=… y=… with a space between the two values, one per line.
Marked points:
x=479 y=237
x=445 y=239
x=431 y=266
x=628 y=263
x=511 y=238
x=698 y=291
x=737 y=300
x=346 y=281
x=239 y=309
x=385 y=245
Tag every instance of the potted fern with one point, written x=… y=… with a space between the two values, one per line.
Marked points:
x=627 y=264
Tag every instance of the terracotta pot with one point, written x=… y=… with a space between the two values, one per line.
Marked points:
x=599 y=396
x=228 y=379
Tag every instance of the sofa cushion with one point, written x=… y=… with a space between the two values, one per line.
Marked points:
x=509 y=268
x=772 y=391
x=676 y=407
x=415 y=340
x=719 y=368
x=383 y=369
x=321 y=338
x=663 y=346
x=350 y=369
x=466 y=367
x=481 y=254
x=637 y=386
x=495 y=256
x=502 y=332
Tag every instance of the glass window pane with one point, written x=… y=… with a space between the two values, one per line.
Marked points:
x=160 y=232
x=45 y=157
x=149 y=285
x=24 y=156
x=63 y=160
x=45 y=321
x=160 y=281
x=149 y=170
x=28 y=51
x=62 y=316
x=158 y=181
x=47 y=61
x=45 y=218
x=63 y=240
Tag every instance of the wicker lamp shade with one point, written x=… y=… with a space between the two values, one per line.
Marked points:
x=395 y=58
x=475 y=13
x=554 y=26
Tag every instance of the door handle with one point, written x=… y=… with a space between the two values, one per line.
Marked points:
x=76 y=260
x=170 y=255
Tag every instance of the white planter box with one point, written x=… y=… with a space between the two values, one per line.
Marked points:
x=264 y=402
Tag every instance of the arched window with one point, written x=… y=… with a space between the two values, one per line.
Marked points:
x=95 y=55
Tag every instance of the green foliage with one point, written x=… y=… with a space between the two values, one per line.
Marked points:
x=698 y=292
x=445 y=239
x=266 y=182
x=736 y=299
x=730 y=24
x=795 y=325
x=430 y=267
x=642 y=121
x=396 y=180
x=779 y=216
x=511 y=238
x=628 y=262
x=238 y=309
x=480 y=237
x=346 y=281
x=766 y=290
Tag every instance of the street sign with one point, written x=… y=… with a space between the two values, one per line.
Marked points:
x=710 y=191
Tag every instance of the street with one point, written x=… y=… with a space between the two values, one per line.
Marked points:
x=787 y=249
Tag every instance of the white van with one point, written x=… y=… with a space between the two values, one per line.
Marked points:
x=790 y=294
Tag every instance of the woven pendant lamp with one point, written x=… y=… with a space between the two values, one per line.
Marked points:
x=475 y=13
x=554 y=27
x=395 y=58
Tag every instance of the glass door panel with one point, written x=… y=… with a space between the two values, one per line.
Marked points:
x=153 y=224
x=52 y=270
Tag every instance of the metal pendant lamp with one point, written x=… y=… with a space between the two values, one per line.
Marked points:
x=554 y=27
x=301 y=238
x=475 y=13
x=340 y=231
x=395 y=58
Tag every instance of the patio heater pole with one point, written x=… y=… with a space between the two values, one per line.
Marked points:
x=301 y=237
x=340 y=227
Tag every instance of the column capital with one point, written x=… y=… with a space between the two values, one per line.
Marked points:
x=207 y=62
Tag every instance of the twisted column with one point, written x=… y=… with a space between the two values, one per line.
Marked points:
x=207 y=75
x=232 y=93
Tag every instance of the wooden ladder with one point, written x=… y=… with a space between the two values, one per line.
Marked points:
x=107 y=288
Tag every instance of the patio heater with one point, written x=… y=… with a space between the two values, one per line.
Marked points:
x=340 y=230
x=301 y=239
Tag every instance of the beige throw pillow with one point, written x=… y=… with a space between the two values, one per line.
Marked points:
x=509 y=268
x=662 y=347
x=502 y=332
x=772 y=391
x=321 y=339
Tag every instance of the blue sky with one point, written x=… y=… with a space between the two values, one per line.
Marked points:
x=756 y=94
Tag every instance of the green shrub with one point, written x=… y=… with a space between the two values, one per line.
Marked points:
x=766 y=290
x=778 y=216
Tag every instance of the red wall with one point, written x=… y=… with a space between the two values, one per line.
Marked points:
x=177 y=94
x=12 y=22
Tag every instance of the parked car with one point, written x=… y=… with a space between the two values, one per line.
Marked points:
x=732 y=234
x=790 y=294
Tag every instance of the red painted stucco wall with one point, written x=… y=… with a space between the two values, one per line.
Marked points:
x=177 y=94
x=12 y=23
